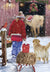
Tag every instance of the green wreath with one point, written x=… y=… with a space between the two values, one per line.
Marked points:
x=33 y=7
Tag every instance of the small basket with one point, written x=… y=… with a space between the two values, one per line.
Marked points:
x=9 y=43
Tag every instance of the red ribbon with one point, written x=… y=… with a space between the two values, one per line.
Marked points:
x=35 y=8
x=33 y=5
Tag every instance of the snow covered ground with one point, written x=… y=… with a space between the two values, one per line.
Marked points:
x=39 y=66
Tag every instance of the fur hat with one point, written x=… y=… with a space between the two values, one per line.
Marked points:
x=20 y=15
x=21 y=12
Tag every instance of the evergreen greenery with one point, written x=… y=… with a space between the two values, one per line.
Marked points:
x=41 y=1
x=22 y=0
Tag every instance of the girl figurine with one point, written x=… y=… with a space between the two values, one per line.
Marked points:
x=18 y=34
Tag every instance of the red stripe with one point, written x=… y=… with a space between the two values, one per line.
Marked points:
x=35 y=8
x=20 y=68
x=33 y=68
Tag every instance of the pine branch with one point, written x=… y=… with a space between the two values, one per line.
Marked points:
x=43 y=1
x=22 y=0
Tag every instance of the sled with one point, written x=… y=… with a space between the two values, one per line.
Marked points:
x=20 y=66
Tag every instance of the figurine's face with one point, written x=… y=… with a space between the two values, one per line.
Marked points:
x=17 y=19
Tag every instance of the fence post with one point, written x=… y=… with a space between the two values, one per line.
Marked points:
x=3 y=39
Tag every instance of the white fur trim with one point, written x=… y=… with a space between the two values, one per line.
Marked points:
x=20 y=17
x=29 y=20
x=16 y=34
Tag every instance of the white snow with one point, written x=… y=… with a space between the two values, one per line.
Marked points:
x=39 y=66
x=0 y=45
x=3 y=29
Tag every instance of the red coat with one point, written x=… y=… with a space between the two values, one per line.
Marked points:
x=17 y=27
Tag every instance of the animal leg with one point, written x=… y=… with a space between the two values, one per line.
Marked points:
x=43 y=59
x=35 y=32
x=39 y=58
x=38 y=29
x=47 y=60
x=32 y=31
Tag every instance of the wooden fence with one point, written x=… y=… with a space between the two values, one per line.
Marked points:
x=3 y=47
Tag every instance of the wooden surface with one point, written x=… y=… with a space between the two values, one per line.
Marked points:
x=3 y=49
